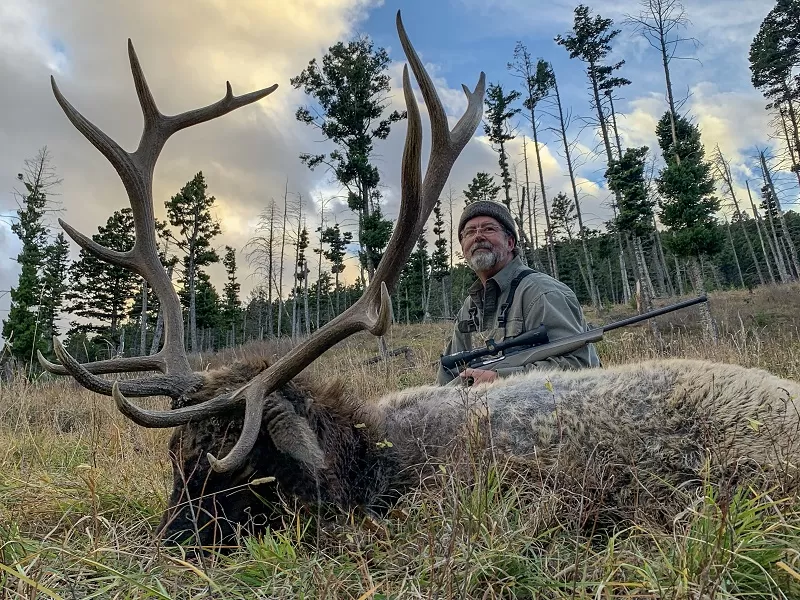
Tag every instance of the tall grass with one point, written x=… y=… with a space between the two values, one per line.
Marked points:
x=82 y=488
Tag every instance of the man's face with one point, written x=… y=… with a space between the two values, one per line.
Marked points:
x=486 y=245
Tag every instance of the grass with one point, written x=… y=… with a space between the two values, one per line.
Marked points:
x=82 y=489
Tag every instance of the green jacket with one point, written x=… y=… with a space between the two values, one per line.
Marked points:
x=539 y=299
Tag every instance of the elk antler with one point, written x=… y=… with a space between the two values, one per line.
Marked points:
x=136 y=172
x=372 y=311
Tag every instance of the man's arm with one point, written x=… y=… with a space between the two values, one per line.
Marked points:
x=562 y=315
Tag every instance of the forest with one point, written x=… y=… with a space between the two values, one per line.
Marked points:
x=680 y=224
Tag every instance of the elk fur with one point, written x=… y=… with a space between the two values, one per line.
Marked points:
x=627 y=438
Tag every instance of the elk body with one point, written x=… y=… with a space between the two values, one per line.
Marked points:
x=646 y=427
x=629 y=441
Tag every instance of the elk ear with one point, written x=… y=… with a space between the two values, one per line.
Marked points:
x=292 y=434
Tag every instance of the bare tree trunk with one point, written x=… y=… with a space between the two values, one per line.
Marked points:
x=280 y=264
x=155 y=345
x=662 y=258
x=776 y=247
x=593 y=293
x=612 y=283
x=709 y=325
x=727 y=176
x=789 y=144
x=143 y=321
x=645 y=269
x=759 y=226
x=735 y=255
x=791 y=250
x=537 y=263
x=678 y=275
x=305 y=301
x=551 y=247
x=519 y=219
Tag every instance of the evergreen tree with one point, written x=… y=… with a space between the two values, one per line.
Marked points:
x=101 y=292
x=774 y=58
x=23 y=329
x=351 y=88
x=190 y=212
x=209 y=311
x=54 y=286
x=498 y=113
x=562 y=217
x=482 y=187
x=414 y=284
x=687 y=201
x=337 y=241
x=374 y=238
x=232 y=310
x=440 y=259
x=590 y=42
x=626 y=178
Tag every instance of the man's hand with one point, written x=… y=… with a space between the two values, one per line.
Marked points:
x=478 y=376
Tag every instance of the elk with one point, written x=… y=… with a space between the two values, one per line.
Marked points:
x=279 y=433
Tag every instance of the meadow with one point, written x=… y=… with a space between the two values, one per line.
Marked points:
x=82 y=490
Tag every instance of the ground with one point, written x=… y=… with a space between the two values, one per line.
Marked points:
x=82 y=489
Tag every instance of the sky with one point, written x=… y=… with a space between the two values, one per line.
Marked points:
x=188 y=49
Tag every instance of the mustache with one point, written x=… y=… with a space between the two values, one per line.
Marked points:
x=480 y=246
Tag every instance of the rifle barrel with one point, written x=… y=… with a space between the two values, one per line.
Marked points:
x=654 y=313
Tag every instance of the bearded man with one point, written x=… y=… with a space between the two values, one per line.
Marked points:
x=508 y=298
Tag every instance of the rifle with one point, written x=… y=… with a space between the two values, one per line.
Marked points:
x=532 y=346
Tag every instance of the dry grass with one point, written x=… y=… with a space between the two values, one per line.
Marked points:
x=82 y=488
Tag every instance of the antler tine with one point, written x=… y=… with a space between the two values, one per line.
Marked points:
x=445 y=148
x=113 y=365
x=136 y=172
x=160 y=385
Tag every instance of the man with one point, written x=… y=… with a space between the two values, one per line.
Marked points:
x=489 y=244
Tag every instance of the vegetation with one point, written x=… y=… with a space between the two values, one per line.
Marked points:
x=82 y=488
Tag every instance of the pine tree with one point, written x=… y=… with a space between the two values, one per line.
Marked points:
x=190 y=212
x=337 y=241
x=55 y=284
x=23 y=328
x=440 y=259
x=232 y=310
x=774 y=58
x=562 y=217
x=687 y=201
x=482 y=187
x=498 y=114
x=634 y=220
x=101 y=292
x=351 y=87
x=590 y=42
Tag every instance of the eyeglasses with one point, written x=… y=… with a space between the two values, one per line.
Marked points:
x=488 y=229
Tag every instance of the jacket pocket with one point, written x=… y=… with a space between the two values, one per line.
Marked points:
x=514 y=327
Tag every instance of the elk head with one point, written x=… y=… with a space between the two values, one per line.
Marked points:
x=271 y=409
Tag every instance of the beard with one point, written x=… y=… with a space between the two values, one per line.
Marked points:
x=483 y=256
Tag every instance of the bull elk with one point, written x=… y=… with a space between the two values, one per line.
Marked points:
x=650 y=426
